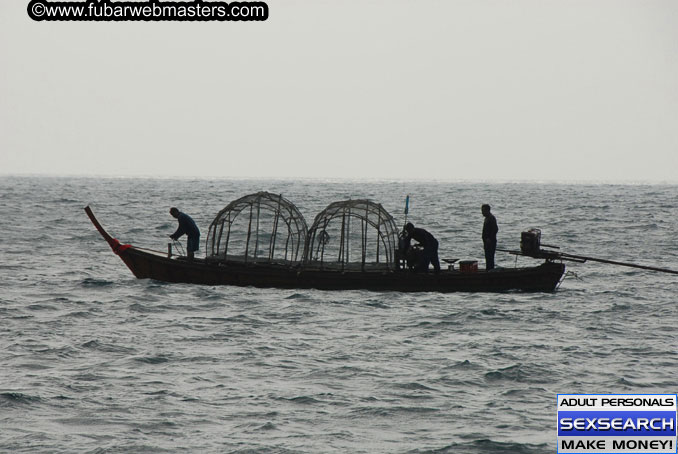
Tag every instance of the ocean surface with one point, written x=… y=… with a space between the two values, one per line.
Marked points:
x=95 y=361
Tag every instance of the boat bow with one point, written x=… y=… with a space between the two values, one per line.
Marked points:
x=117 y=247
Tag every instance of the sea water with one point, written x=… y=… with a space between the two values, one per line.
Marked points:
x=93 y=360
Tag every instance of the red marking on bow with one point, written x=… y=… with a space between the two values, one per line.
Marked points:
x=119 y=248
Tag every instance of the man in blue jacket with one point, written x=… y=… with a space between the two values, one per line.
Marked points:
x=186 y=226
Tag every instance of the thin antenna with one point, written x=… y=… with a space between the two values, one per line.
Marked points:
x=407 y=207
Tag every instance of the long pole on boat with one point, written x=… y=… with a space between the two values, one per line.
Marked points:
x=614 y=262
x=583 y=258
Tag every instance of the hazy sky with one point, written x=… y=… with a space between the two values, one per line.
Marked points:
x=387 y=89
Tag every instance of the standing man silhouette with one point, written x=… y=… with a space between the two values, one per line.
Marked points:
x=490 y=230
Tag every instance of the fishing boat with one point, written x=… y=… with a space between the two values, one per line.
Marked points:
x=262 y=240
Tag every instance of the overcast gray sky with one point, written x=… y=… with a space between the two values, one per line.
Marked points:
x=386 y=89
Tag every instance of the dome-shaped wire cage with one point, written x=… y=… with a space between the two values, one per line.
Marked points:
x=352 y=235
x=258 y=228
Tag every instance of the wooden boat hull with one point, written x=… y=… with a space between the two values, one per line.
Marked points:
x=144 y=265
x=153 y=265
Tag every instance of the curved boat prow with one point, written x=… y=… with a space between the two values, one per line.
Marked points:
x=112 y=242
x=121 y=250
x=109 y=239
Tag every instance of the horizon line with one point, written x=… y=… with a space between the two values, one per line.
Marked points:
x=348 y=179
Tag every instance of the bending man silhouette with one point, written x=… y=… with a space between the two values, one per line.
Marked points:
x=186 y=226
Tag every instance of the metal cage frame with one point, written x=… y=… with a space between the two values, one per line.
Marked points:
x=279 y=207
x=370 y=214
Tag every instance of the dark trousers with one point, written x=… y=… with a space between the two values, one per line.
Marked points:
x=490 y=248
x=193 y=243
x=430 y=255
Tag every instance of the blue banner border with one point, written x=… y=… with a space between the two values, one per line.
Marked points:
x=613 y=394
